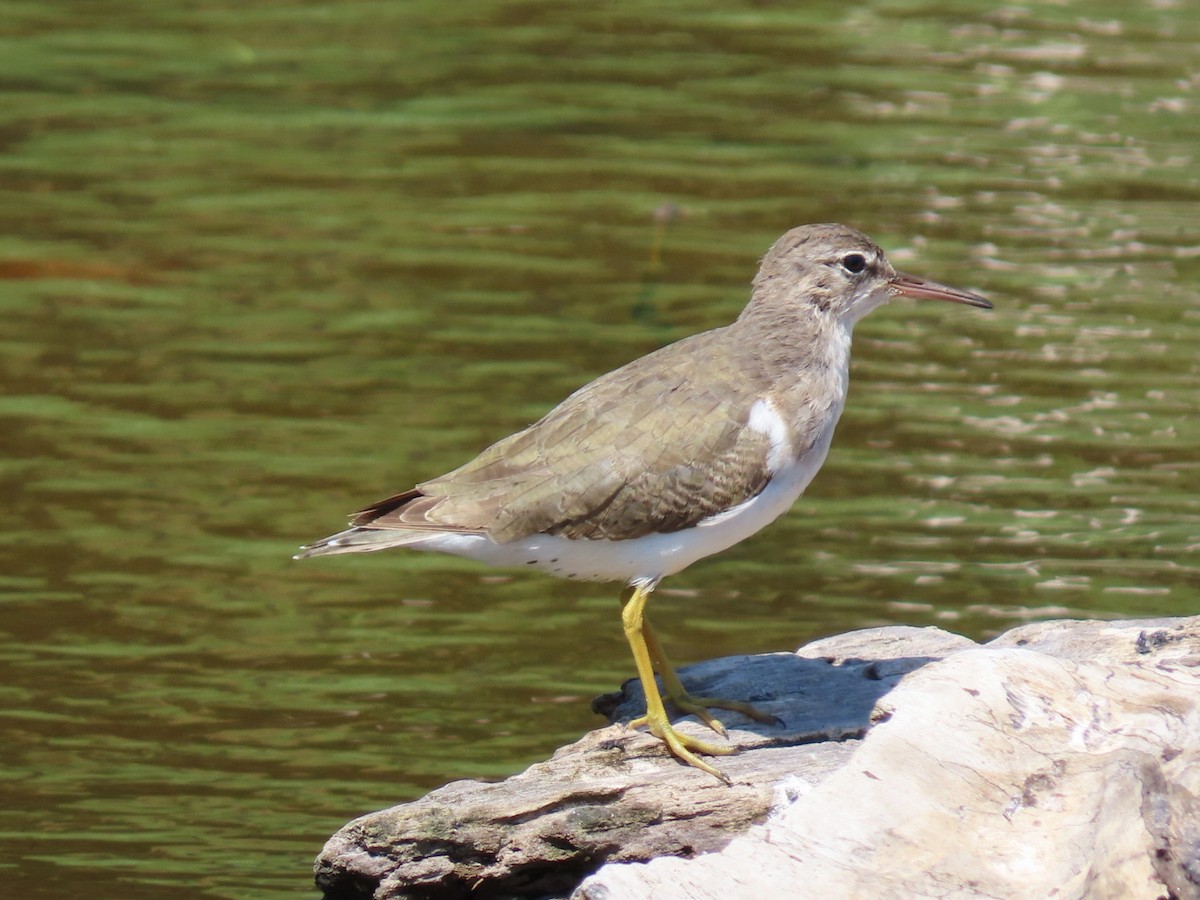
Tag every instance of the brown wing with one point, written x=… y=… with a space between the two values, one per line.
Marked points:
x=646 y=448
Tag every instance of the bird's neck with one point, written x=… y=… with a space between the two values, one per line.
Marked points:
x=802 y=360
x=792 y=338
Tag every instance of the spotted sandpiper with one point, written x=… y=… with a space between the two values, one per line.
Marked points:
x=671 y=458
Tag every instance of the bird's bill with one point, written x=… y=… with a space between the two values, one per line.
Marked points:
x=921 y=289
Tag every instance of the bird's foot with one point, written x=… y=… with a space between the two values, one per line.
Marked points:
x=685 y=747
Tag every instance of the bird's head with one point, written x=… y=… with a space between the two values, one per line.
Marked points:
x=840 y=273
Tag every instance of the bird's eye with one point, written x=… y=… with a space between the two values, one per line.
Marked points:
x=854 y=263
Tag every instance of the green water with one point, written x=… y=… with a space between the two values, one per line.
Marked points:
x=263 y=263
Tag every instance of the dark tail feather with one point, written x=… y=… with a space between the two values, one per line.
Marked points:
x=383 y=507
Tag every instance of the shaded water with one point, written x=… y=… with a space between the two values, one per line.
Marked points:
x=261 y=265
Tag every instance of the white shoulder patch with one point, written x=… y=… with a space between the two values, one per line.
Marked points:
x=765 y=419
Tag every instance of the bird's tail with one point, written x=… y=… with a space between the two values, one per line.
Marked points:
x=361 y=540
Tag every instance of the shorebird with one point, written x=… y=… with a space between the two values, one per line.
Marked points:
x=671 y=458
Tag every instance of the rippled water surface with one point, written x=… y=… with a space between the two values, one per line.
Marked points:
x=263 y=263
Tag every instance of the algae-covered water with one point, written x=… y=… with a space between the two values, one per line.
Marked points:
x=263 y=263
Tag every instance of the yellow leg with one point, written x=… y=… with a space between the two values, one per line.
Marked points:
x=633 y=618
x=687 y=703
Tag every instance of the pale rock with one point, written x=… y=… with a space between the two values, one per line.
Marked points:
x=1060 y=760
